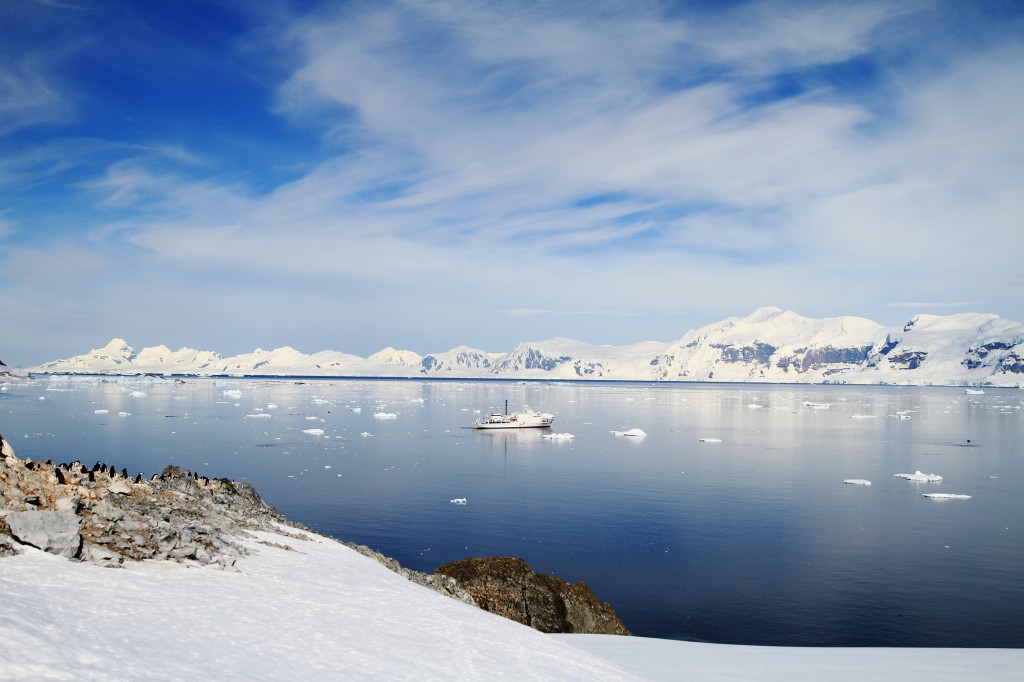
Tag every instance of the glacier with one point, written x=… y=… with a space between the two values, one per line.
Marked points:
x=768 y=346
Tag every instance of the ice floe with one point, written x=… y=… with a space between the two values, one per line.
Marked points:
x=314 y=432
x=947 y=496
x=101 y=411
x=710 y=440
x=558 y=436
x=920 y=477
x=137 y=394
x=754 y=406
x=458 y=500
x=258 y=415
x=232 y=393
x=635 y=433
x=817 y=406
x=862 y=416
x=124 y=414
x=385 y=415
x=857 y=481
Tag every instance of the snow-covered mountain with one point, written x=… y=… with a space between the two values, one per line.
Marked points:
x=769 y=345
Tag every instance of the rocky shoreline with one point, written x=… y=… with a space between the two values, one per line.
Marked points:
x=103 y=516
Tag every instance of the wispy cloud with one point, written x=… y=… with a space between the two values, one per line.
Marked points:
x=583 y=161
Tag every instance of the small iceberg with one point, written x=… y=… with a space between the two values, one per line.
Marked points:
x=458 y=500
x=314 y=432
x=947 y=496
x=857 y=481
x=634 y=433
x=258 y=415
x=558 y=436
x=709 y=440
x=365 y=434
x=101 y=411
x=920 y=477
x=385 y=415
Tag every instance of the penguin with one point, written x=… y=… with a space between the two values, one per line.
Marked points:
x=83 y=470
x=138 y=478
x=60 y=476
x=92 y=477
x=96 y=466
x=124 y=473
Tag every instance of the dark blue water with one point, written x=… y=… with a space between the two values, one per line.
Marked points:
x=754 y=539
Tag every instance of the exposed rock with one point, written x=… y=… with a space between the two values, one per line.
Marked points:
x=103 y=516
x=55 y=532
x=438 y=582
x=508 y=587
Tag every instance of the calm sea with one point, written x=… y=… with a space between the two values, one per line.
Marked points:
x=748 y=536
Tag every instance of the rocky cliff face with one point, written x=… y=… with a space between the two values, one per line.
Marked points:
x=506 y=586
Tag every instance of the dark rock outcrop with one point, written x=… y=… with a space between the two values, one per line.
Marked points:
x=508 y=587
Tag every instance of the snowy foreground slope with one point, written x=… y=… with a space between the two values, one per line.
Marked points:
x=769 y=345
x=325 y=612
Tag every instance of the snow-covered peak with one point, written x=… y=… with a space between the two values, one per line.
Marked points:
x=769 y=345
x=394 y=356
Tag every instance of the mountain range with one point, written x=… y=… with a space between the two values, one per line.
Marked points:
x=770 y=345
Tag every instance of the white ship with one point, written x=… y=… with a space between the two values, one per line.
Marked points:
x=526 y=419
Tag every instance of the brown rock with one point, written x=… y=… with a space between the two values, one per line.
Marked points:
x=508 y=587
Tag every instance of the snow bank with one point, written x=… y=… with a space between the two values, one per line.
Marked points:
x=325 y=612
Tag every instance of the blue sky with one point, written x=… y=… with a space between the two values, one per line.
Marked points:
x=355 y=175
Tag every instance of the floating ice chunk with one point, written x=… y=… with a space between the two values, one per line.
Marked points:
x=857 y=481
x=314 y=432
x=312 y=419
x=42 y=397
x=921 y=477
x=754 y=406
x=817 y=406
x=101 y=411
x=271 y=406
x=124 y=414
x=365 y=434
x=137 y=394
x=385 y=415
x=635 y=433
x=327 y=466
x=258 y=415
x=947 y=496
x=321 y=401
x=558 y=436
x=458 y=500
x=899 y=416
x=862 y=416
x=710 y=440
x=974 y=391
x=357 y=409
x=232 y=393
